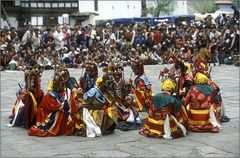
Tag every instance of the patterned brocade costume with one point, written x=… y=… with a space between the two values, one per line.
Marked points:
x=142 y=92
x=52 y=120
x=166 y=116
x=141 y=86
x=200 y=106
x=97 y=110
x=56 y=113
x=28 y=98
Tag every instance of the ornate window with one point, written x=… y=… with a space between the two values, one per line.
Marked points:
x=61 y=5
x=33 y=5
x=37 y=20
x=54 y=5
x=48 y=5
x=40 y=4
x=74 y=4
x=68 y=5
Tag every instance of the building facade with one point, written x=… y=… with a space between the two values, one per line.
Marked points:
x=37 y=12
x=111 y=9
x=51 y=12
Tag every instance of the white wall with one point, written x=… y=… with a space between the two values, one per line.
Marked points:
x=112 y=9
x=118 y=9
x=13 y=21
x=86 y=6
x=225 y=8
x=180 y=7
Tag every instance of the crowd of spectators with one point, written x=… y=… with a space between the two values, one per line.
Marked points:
x=72 y=46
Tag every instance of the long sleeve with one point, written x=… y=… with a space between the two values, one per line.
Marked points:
x=187 y=98
x=50 y=103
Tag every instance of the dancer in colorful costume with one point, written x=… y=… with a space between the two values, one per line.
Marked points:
x=199 y=66
x=141 y=85
x=199 y=103
x=128 y=117
x=181 y=73
x=28 y=98
x=97 y=108
x=166 y=115
x=90 y=76
x=53 y=114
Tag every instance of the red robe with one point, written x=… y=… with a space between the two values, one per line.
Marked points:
x=142 y=92
x=51 y=120
x=201 y=111
x=158 y=118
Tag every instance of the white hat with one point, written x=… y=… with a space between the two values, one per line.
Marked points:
x=184 y=23
x=133 y=49
x=182 y=49
x=108 y=24
x=84 y=50
x=3 y=46
x=98 y=38
x=155 y=46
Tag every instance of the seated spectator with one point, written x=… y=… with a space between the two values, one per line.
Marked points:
x=55 y=61
x=67 y=58
x=44 y=61
x=21 y=64
x=13 y=63
x=77 y=61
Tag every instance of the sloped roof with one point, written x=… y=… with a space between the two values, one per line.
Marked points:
x=223 y=2
x=83 y=13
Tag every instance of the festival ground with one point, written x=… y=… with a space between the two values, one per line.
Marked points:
x=15 y=141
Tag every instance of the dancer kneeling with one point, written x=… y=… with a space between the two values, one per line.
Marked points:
x=166 y=115
x=97 y=109
x=28 y=98
x=53 y=116
x=200 y=106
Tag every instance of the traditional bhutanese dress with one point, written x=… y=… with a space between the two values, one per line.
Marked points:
x=24 y=110
x=142 y=92
x=165 y=118
x=99 y=116
x=217 y=100
x=87 y=82
x=53 y=116
x=199 y=103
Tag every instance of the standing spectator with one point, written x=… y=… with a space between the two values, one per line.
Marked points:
x=58 y=39
x=212 y=49
x=91 y=34
x=225 y=45
x=26 y=39
x=82 y=38
x=45 y=37
x=35 y=39
x=66 y=36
